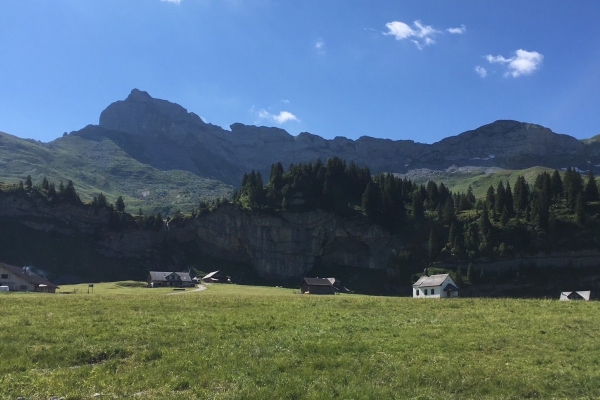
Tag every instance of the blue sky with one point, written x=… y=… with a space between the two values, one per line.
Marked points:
x=419 y=70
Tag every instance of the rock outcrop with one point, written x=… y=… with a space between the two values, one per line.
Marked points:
x=275 y=246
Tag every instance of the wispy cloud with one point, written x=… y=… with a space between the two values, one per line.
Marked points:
x=482 y=72
x=172 y=1
x=522 y=63
x=286 y=101
x=320 y=46
x=281 y=118
x=457 y=31
x=421 y=35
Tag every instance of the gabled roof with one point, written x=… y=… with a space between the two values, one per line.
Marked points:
x=162 y=276
x=433 y=280
x=212 y=274
x=579 y=295
x=317 y=282
x=27 y=275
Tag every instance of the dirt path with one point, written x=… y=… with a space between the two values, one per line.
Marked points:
x=198 y=289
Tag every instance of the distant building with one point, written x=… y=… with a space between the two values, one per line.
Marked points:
x=337 y=284
x=580 y=295
x=216 y=277
x=169 y=279
x=23 y=279
x=317 y=286
x=435 y=286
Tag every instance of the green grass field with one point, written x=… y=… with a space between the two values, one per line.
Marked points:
x=230 y=342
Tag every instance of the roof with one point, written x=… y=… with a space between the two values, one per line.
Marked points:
x=162 y=276
x=211 y=274
x=27 y=275
x=317 y=282
x=584 y=294
x=433 y=280
x=450 y=287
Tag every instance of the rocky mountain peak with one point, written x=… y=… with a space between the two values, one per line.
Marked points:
x=141 y=113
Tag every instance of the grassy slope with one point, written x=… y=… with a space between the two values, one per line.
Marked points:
x=479 y=181
x=101 y=166
x=245 y=342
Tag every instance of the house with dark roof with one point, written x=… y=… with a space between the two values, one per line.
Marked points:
x=435 y=286
x=23 y=279
x=169 y=279
x=216 y=277
x=317 y=286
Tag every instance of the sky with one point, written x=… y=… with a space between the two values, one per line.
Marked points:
x=416 y=70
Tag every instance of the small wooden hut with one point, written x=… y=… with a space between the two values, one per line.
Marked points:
x=317 y=286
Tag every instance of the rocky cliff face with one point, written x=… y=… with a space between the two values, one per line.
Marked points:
x=166 y=136
x=278 y=246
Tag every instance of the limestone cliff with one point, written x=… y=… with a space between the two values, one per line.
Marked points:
x=274 y=246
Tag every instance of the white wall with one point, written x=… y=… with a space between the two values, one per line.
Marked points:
x=14 y=282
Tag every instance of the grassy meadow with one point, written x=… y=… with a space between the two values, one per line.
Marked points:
x=230 y=342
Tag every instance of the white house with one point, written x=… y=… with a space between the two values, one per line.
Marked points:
x=435 y=286
x=23 y=279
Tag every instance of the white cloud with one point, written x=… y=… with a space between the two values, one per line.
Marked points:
x=281 y=118
x=457 y=31
x=320 y=46
x=522 y=63
x=481 y=71
x=286 y=101
x=172 y=1
x=421 y=35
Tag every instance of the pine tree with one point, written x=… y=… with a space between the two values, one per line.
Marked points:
x=120 y=204
x=490 y=198
x=500 y=200
x=471 y=274
x=28 y=182
x=557 y=186
x=591 y=189
x=580 y=209
x=509 y=200
x=505 y=217
x=432 y=246
x=45 y=184
x=448 y=213
x=417 y=204
x=371 y=200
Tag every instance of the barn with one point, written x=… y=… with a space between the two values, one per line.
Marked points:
x=23 y=279
x=579 y=295
x=317 y=286
x=169 y=279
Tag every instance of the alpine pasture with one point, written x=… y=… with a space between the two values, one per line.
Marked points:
x=230 y=342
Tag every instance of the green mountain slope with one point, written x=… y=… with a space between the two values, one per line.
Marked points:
x=101 y=166
x=479 y=178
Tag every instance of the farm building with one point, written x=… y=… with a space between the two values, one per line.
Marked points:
x=23 y=279
x=169 y=279
x=216 y=277
x=435 y=286
x=580 y=295
x=317 y=286
x=337 y=284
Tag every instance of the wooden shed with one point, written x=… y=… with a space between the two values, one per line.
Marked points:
x=317 y=286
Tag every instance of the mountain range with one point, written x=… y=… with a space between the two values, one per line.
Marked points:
x=159 y=156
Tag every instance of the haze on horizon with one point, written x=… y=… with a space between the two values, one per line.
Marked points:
x=376 y=68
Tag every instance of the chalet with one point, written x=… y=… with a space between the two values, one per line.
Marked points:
x=23 y=279
x=216 y=277
x=317 y=286
x=169 y=279
x=435 y=286
x=337 y=284
x=580 y=295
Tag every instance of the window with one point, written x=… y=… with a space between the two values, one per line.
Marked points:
x=432 y=291
x=4 y=276
x=425 y=291
x=417 y=292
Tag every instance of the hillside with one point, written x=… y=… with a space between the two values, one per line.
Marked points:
x=99 y=165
